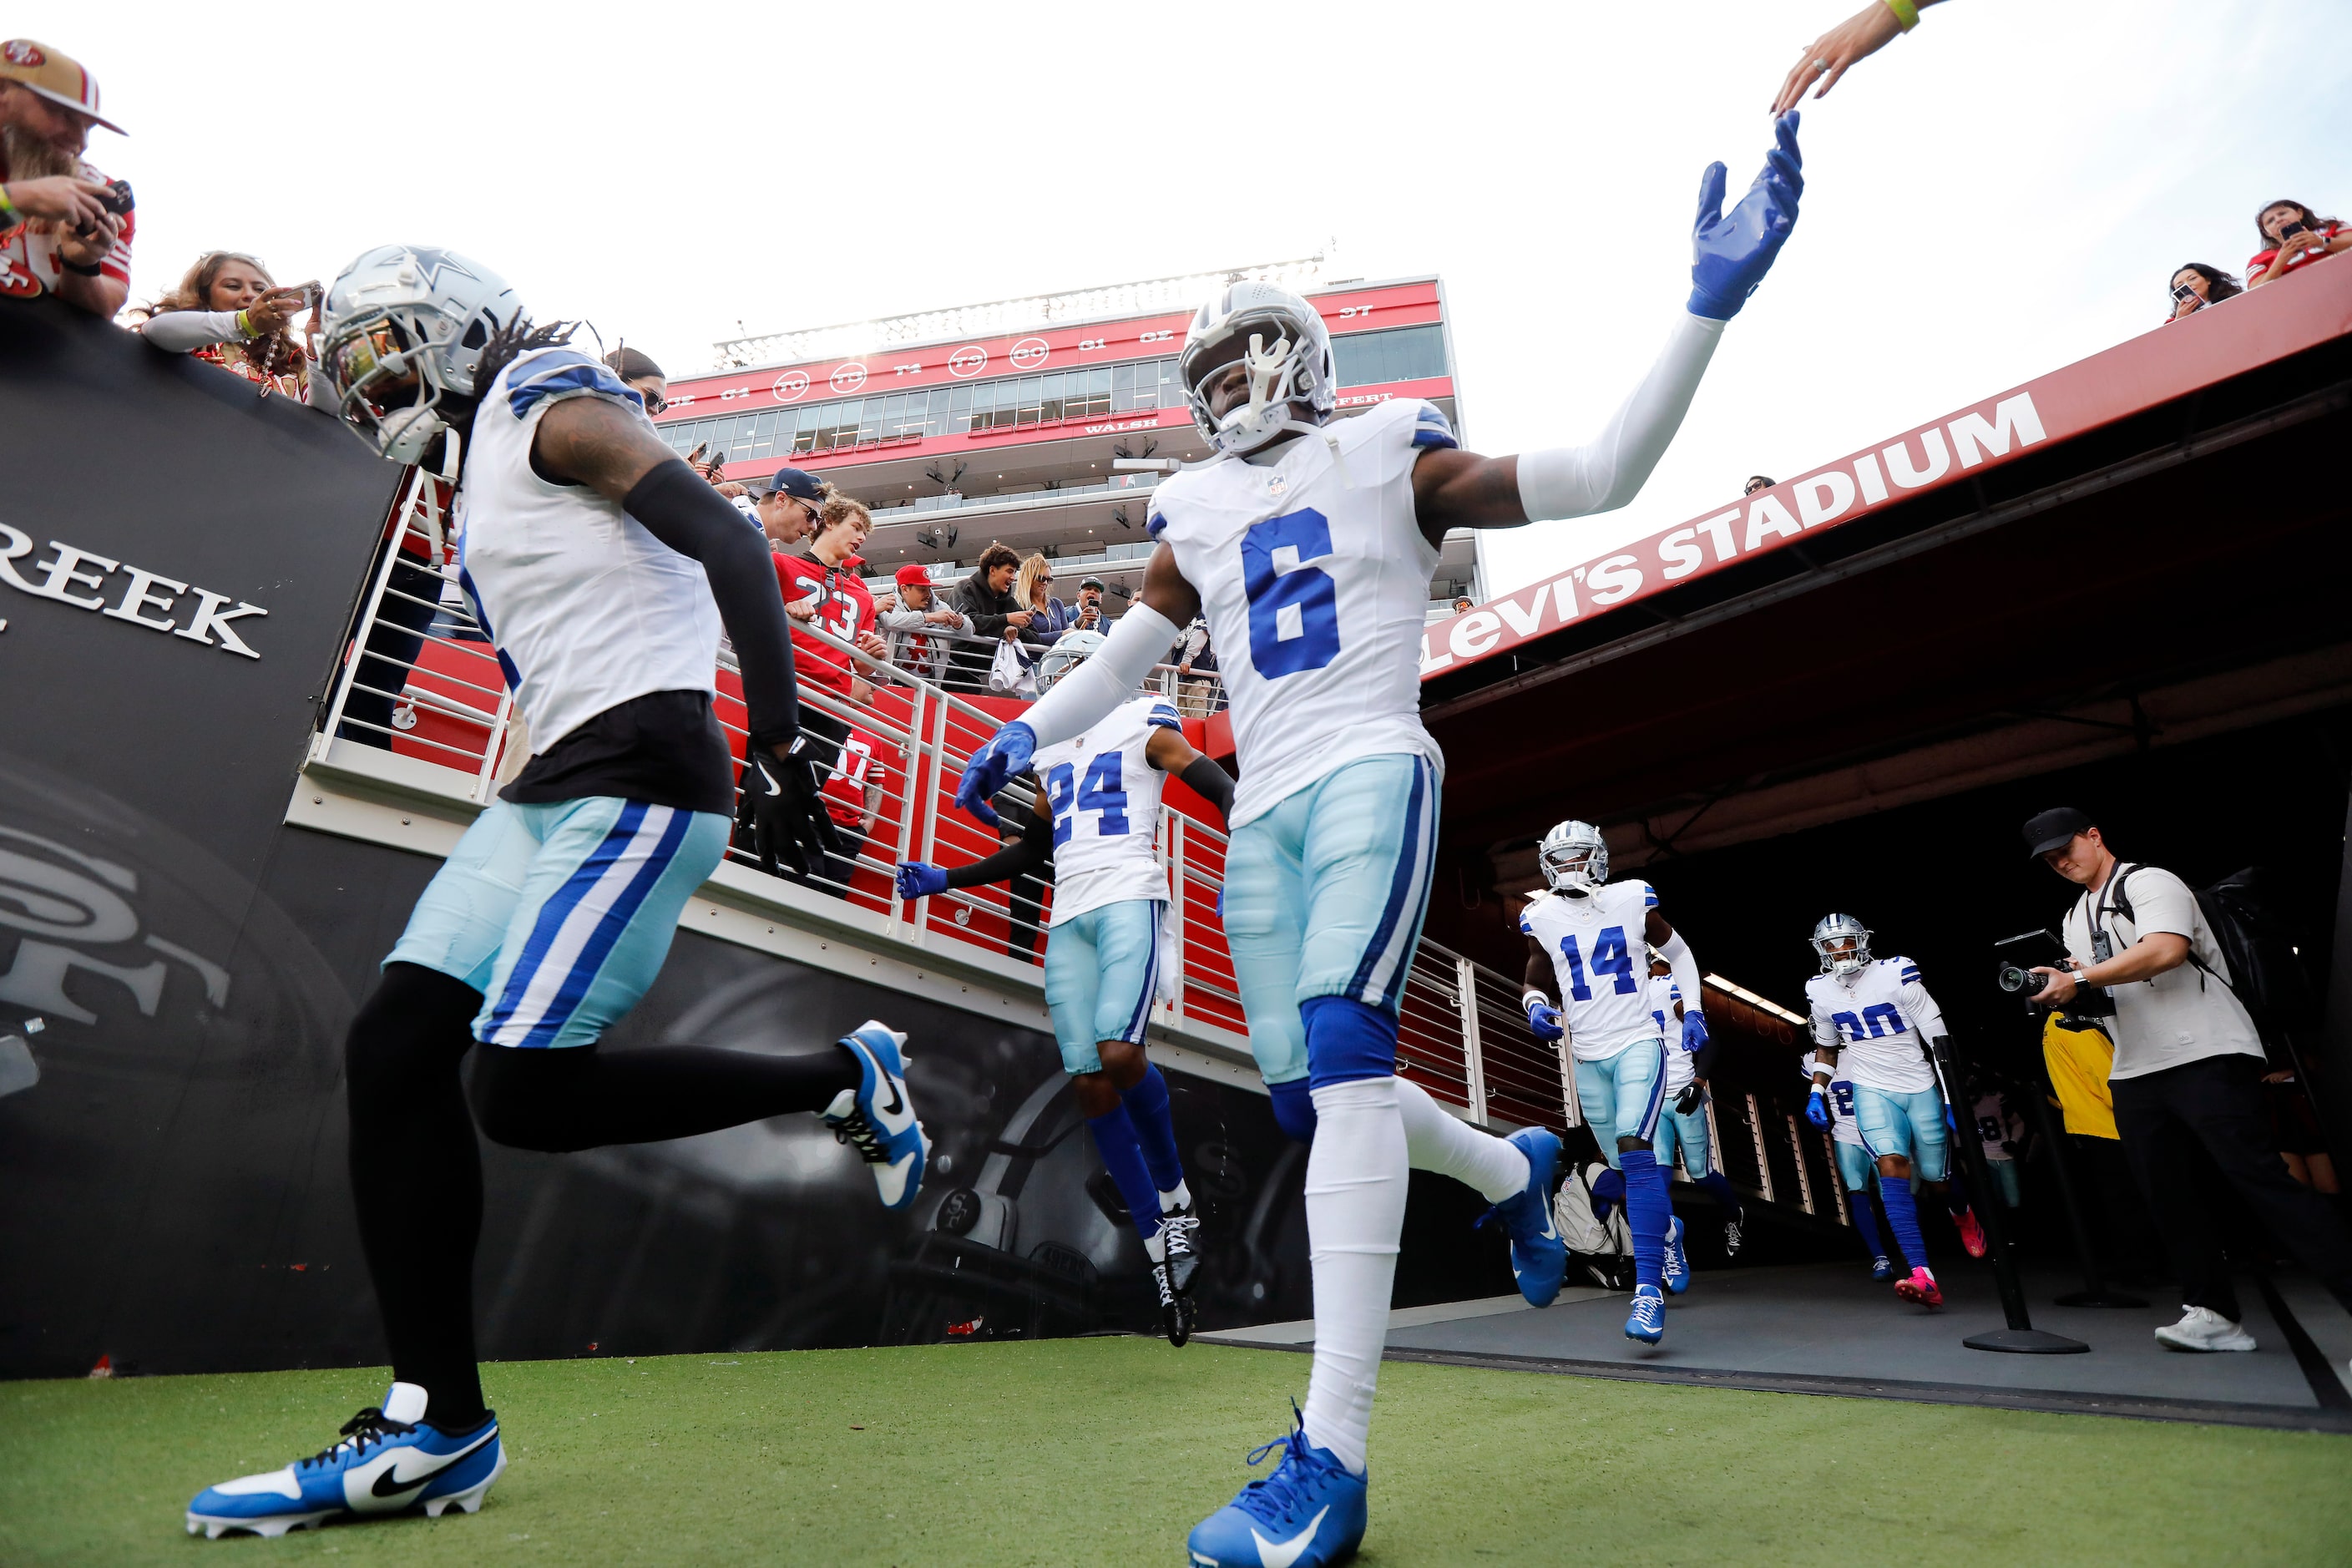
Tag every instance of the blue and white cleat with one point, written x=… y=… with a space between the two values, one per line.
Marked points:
x=1677 y=1263
x=1648 y=1323
x=1307 y=1513
x=389 y=1460
x=1882 y=1269
x=1538 y=1257
x=877 y=1117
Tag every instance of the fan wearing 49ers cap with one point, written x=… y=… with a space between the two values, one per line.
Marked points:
x=64 y=228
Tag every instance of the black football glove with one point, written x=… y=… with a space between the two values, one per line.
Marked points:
x=789 y=822
x=1687 y=1101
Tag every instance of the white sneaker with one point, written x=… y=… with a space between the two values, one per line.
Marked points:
x=2203 y=1329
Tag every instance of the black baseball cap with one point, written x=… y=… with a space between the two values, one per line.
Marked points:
x=798 y=484
x=2054 y=829
x=1094 y=582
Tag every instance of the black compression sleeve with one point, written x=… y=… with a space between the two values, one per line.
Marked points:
x=1026 y=853
x=1703 y=1060
x=677 y=507
x=1210 y=783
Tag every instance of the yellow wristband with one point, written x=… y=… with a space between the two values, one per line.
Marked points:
x=244 y=326
x=9 y=216
x=1906 y=13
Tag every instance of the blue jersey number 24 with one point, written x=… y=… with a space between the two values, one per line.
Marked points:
x=1294 y=616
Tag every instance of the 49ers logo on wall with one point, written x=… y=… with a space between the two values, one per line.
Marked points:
x=24 y=52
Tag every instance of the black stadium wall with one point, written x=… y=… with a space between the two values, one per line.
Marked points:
x=178 y=564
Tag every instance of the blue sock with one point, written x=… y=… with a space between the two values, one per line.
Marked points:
x=1608 y=1192
x=1294 y=1109
x=1347 y=1040
x=1155 y=1128
x=1122 y=1156
x=1718 y=1186
x=1647 y=1213
x=1903 y=1218
x=1955 y=1194
x=1865 y=1223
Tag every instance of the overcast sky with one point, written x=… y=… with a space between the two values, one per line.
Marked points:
x=2003 y=191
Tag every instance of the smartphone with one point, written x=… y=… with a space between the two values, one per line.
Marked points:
x=2184 y=294
x=2291 y=231
x=309 y=291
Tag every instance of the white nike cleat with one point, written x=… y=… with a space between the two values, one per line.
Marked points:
x=390 y=1459
x=2203 y=1329
x=877 y=1117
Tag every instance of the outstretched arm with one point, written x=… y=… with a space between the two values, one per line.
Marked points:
x=1843 y=46
x=1731 y=253
x=1172 y=753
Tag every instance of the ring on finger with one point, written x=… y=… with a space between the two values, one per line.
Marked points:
x=1821 y=64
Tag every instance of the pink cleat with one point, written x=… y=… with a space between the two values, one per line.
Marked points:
x=1972 y=1235
x=1920 y=1288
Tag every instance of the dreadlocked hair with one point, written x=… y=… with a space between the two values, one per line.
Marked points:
x=508 y=343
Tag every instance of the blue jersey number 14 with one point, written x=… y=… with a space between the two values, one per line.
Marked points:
x=1610 y=957
x=1293 y=614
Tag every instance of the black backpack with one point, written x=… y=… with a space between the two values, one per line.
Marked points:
x=2259 y=941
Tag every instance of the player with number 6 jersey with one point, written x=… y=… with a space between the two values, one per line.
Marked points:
x=1307 y=542
x=1095 y=816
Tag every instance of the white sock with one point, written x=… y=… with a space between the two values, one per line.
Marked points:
x=1356 y=1178
x=1438 y=1141
x=1180 y=1196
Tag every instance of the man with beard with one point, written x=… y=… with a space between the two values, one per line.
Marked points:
x=57 y=234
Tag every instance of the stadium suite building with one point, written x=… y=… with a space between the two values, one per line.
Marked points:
x=1043 y=421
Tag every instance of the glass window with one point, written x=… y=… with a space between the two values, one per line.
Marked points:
x=1400 y=354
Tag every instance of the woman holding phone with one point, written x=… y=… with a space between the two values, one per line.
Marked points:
x=229 y=311
x=2197 y=285
x=2295 y=236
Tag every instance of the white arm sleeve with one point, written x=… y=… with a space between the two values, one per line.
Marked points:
x=185 y=331
x=1684 y=964
x=1574 y=482
x=1924 y=1011
x=1138 y=640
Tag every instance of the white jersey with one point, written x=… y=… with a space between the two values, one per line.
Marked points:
x=1664 y=998
x=1875 y=1019
x=1842 y=1126
x=585 y=608
x=1601 y=954
x=1312 y=575
x=1105 y=796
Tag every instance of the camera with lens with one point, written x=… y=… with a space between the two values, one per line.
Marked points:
x=2088 y=1001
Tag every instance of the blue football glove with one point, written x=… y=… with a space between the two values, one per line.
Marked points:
x=1693 y=1030
x=1220 y=909
x=920 y=879
x=999 y=758
x=1817 y=1109
x=1730 y=252
x=1544 y=1019
x=1951 y=1119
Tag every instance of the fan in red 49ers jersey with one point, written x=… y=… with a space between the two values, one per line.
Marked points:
x=825 y=588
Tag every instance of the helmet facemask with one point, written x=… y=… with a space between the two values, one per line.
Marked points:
x=1574 y=860
x=1842 y=943
x=1070 y=651
x=1284 y=352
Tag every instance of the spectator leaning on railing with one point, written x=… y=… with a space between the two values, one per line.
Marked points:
x=1757 y=482
x=919 y=631
x=986 y=598
x=2187 y=1062
x=1049 y=618
x=787 y=513
x=64 y=230
x=1087 y=615
x=2197 y=285
x=1196 y=672
x=2293 y=236
x=229 y=312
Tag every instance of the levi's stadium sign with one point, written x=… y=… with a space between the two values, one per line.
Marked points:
x=2167 y=362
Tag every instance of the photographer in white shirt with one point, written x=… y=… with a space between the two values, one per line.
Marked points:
x=2187 y=1075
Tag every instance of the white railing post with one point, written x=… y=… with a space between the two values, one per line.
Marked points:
x=1804 y=1176
x=938 y=748
x=1763 y=1161
x=358 y=649
x=1714 y=1136
x=1829 y=1151
x=910 y=768
x=495 y=748
x=1181 y=952
x=1473 y=1055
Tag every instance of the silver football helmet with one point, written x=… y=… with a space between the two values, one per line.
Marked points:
x=1070 y=651
x=1575 y=859
x=1843 y=944
x=1287 y=350
x=402 y=329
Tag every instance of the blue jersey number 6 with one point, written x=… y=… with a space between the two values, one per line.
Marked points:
x=1294 y=615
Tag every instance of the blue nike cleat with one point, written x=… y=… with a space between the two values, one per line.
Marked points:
x=877 y=1117
x=1309 y=1512
x=1648 y=1323
x=1881 y=1269
x=1538 y=1257
x=388 y=1461
x=1677 y=1263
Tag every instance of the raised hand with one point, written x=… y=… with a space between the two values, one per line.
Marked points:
x=1731 y=251
x=1002 y=756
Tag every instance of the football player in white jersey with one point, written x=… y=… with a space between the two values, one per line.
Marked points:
x=1853 y=1165
x=1872 y=1017
x=1587 y=945
x=1307 y=542
x=1682 y=1128
x=601 y=569
x=1097 y=819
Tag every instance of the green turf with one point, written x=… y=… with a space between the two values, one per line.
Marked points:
x=1107 y=1450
